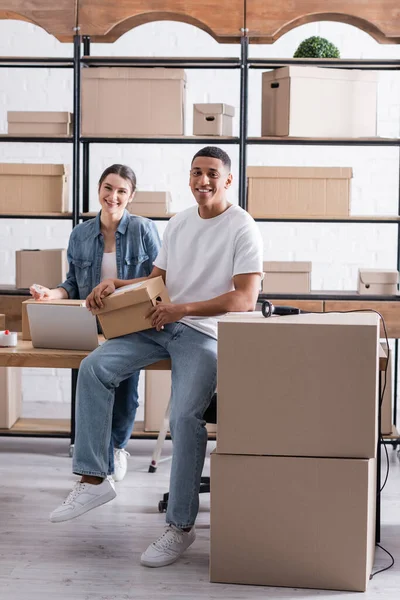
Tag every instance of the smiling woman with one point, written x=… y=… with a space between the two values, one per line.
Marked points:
x=114 y=244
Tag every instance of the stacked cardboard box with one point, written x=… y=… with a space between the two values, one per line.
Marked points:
x=378 y=281
x=40 y=123
x=286 y=277
x=150 y=204
x=45 y=267
x=293 y=479
x=213 y=119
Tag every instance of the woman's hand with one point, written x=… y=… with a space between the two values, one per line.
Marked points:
x=39 y=292
x=94 y=300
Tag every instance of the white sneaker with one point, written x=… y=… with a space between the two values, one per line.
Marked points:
x=82 y=498
x=120 y=463
x=168 y=548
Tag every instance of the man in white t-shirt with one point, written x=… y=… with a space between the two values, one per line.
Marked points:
x=211 y=262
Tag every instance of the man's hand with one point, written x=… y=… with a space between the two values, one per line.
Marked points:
x=94 y=300
x=161 y=314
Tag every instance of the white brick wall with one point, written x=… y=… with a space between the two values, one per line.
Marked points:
x=335 y=250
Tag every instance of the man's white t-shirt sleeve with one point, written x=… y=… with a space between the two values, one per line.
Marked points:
x=248 y=256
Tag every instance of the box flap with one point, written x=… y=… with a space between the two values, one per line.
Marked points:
x=61 y=302
x=129 y=295
x=133 y=73
x=38 y=117
x=215 y=109
x=287 y=267
x=320 y=73
x=370 y=276
x=300 y=172
x=30 y=169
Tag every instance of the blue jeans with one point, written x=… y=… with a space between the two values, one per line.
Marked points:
x=124 y=413
x=194 y=379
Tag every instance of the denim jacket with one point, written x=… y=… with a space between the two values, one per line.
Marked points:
x=137 y=246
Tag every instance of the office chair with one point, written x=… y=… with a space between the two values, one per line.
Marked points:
x=210 y=416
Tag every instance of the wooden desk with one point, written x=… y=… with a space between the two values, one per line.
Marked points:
x=25 y=355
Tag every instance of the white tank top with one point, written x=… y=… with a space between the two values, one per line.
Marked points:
x=109 y=266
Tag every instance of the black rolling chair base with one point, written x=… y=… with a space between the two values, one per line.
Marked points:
x=204 y=489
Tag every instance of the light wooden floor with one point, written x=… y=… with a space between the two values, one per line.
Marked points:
x=96 y=557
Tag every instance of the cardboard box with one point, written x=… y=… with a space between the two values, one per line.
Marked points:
x=32 y=189
x=387 y=400
x=378 y=281
x=10 y=396
x=39 y=123
x=287 y=277
x=125 y=310
x=299 y=191
x=310 y=382
x=46 y=267
x=213 y=119
x=129 y=101
x=157 y=395
x=316 y=102
x=26 y=334
x=295 y=522
x=2 y=322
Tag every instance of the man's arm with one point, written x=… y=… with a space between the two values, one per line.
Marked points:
x=108 y=286
x=242 y=299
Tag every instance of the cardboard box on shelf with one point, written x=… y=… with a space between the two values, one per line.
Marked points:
x=125 y=311
x=46 y=267
x=310 y=383
x=148 y=101
x=378 y=281
x=10 y=396
x=26 y=334
x=157 y=395
x=299 y=191
x=304 y=101
x=290 y=277
x=33 y=188
x=41 y=123
x=150 y=204
x=213 y=119
x=309 y=522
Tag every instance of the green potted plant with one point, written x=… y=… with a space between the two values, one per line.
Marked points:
x=316 y=47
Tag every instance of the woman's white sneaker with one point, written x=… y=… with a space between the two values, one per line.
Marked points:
x=82 y=498
x=120 y=463
x=168 y=548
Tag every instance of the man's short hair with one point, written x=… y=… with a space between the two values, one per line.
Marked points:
x=214 y=152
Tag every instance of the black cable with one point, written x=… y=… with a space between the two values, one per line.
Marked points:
x=386 y=568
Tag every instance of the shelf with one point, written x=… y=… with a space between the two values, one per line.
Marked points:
x=390 y=64
x=50 y=215
x=391 y=436
x=155 y=61
x=92 y=215
x=62 y=428
x=25 y=62
x=300 y=141
x=26 y=138
x=329 y=295
x=388 y=220
x=11 y=290
x=145 y=139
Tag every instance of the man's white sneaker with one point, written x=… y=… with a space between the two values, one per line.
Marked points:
x=168 y=548
x=120 y=463
x=82 y=498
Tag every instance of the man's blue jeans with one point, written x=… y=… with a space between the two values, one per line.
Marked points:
x=194 y=379
x=124 y=413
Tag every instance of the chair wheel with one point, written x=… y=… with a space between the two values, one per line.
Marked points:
x=162 y=506
x=152 y=469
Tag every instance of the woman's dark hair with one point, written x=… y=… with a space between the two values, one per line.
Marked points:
x=121 y=170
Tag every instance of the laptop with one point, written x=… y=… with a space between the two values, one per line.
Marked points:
x=62 y=327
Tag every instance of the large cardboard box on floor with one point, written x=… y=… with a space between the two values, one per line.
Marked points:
x=127 y=101
x=316 y=102
x=125 y=311
x=295 y=522
x=26 y=334
x=378 y=281
x=10 y=396
x=157 y=395
x=33 y=188
x=46 y=267
x=41 y=123
x=213 y=119
x=286 y=277
x=310 y=382
x=299 y=191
